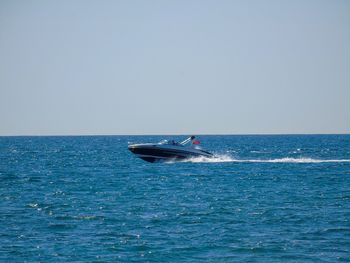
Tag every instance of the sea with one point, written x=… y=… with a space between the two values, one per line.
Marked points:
x=263 y=198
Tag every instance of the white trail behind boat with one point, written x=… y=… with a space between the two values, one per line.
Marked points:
x=230 y=159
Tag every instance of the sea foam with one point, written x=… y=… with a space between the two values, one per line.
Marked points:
x=227 y=158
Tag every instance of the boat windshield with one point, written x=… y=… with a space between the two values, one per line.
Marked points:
x=172 y=142
x=164 y=142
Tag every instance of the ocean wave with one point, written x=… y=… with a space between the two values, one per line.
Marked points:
x=227 y=158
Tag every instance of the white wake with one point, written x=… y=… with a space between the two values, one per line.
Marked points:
x=228 y=159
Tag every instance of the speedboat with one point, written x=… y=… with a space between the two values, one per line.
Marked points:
x=169 y=150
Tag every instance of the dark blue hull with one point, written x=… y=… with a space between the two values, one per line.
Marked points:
x=156 y=153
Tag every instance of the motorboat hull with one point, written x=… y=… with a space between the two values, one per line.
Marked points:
x=160 y=153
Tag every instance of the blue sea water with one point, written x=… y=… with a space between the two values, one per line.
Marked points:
x=88 y=199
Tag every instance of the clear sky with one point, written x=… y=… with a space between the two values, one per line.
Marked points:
x=174 y=67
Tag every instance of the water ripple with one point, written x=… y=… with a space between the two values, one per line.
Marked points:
x=267 y=199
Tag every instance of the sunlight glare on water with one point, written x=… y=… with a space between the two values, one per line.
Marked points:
x=262 y=198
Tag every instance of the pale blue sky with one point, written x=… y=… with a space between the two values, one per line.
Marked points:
x=174 y=67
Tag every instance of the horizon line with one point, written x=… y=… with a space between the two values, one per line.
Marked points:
x=169 y=134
